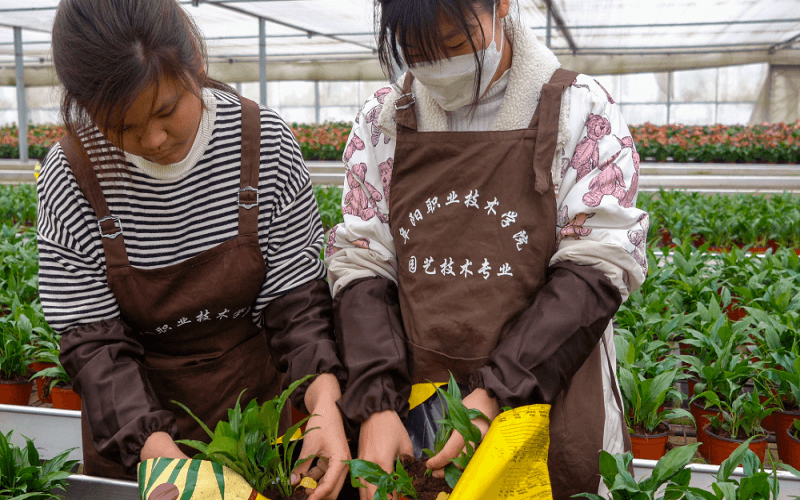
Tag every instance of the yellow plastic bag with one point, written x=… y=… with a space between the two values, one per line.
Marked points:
x=511 y=462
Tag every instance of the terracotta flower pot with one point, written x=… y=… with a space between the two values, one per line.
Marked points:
x=65 y=398
x=15 y=393
x=702 y=418
x=791 y=449
x=690 y=383
x=649 y=447
x=767 y=423
x=721 y=448
x=41 y=382
x=783 y=421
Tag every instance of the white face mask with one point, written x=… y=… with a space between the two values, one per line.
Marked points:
x=451 y=82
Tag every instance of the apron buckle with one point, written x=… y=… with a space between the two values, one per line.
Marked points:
x=248 y=198
x=117 y=223
x=407 y=105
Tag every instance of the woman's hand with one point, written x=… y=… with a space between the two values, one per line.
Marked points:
x=382 y=439
x=160 y=444
x=325 y=440
x=479 y=399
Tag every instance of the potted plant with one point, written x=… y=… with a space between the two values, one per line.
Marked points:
x=397 y=482
x=250 y=445
x=739 y=420
x=456 y=417
x=669 y=475
x=646 y=418
x=24 y=476
x=15 y=356
x=63 y=395
x=785 y=370
x=45 y=341
x=757 y=483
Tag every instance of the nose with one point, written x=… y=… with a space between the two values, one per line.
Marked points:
x=154 y=136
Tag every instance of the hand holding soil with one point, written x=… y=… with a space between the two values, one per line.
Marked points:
x=479 y=399
x=382 y=439
x=324 y=439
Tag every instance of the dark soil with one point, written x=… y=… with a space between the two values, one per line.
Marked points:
x=15 y=377
x=660 y=429
x=428 y=488
x=298 y=494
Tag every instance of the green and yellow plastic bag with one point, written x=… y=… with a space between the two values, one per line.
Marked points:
x=188 y=479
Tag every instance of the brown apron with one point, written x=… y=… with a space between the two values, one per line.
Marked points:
x=193 y=318
x=473 y=216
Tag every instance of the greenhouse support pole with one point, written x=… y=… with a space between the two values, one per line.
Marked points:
x=669 y=93
x=316 y=101
x=22 y=109
x=262 y=60
x=549 y=27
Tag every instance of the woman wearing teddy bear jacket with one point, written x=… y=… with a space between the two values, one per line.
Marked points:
x=490 y=230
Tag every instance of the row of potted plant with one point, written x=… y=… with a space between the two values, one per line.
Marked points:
x=765 y=143
x=770 y=143
x=29 y=347
x=738 y=364
x=723 y=221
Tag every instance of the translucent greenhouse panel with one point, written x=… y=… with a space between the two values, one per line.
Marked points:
x=694 y=85
x=638 y=114
x=295 y=93
x=692 y=114
x=734 y=114
x=643 y=87
x=741 y=83
x=338 y=113
x=297 y=114
x=340 y=94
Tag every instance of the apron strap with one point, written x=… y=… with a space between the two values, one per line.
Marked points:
x=406 y=116
x=251 y=161
x=110 y=226
x=547 y=115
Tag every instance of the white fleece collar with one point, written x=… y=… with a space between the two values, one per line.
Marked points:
x=532 y=66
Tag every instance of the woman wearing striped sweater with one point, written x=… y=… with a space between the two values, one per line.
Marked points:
x=179 y=243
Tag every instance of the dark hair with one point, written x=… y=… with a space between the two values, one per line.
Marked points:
x=106 y=52
x=400 y=24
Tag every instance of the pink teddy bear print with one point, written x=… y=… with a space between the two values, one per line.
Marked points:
x=587 y=152
x=609 y=182
x=627 y=200
x=572 y=228
x=356 y=201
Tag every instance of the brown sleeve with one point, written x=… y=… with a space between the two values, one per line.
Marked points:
x=105 y=366
x=299 y=326
x=552 y=339
x=372 y=346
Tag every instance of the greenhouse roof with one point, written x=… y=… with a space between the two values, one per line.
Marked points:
x=599 y=36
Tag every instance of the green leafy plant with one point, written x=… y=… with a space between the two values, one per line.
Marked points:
x=740 y=414
x=644 y=397
x=249 y=444
x=56 y=374
x=15 y=347
x=669 y=472
x=457 y=417
x=757 y=483
x=397 y=481
x=24 y=477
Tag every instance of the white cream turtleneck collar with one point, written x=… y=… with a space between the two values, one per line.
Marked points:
x=465 y=119
x=178 y=170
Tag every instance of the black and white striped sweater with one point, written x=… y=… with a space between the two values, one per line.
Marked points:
x=167 y=221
